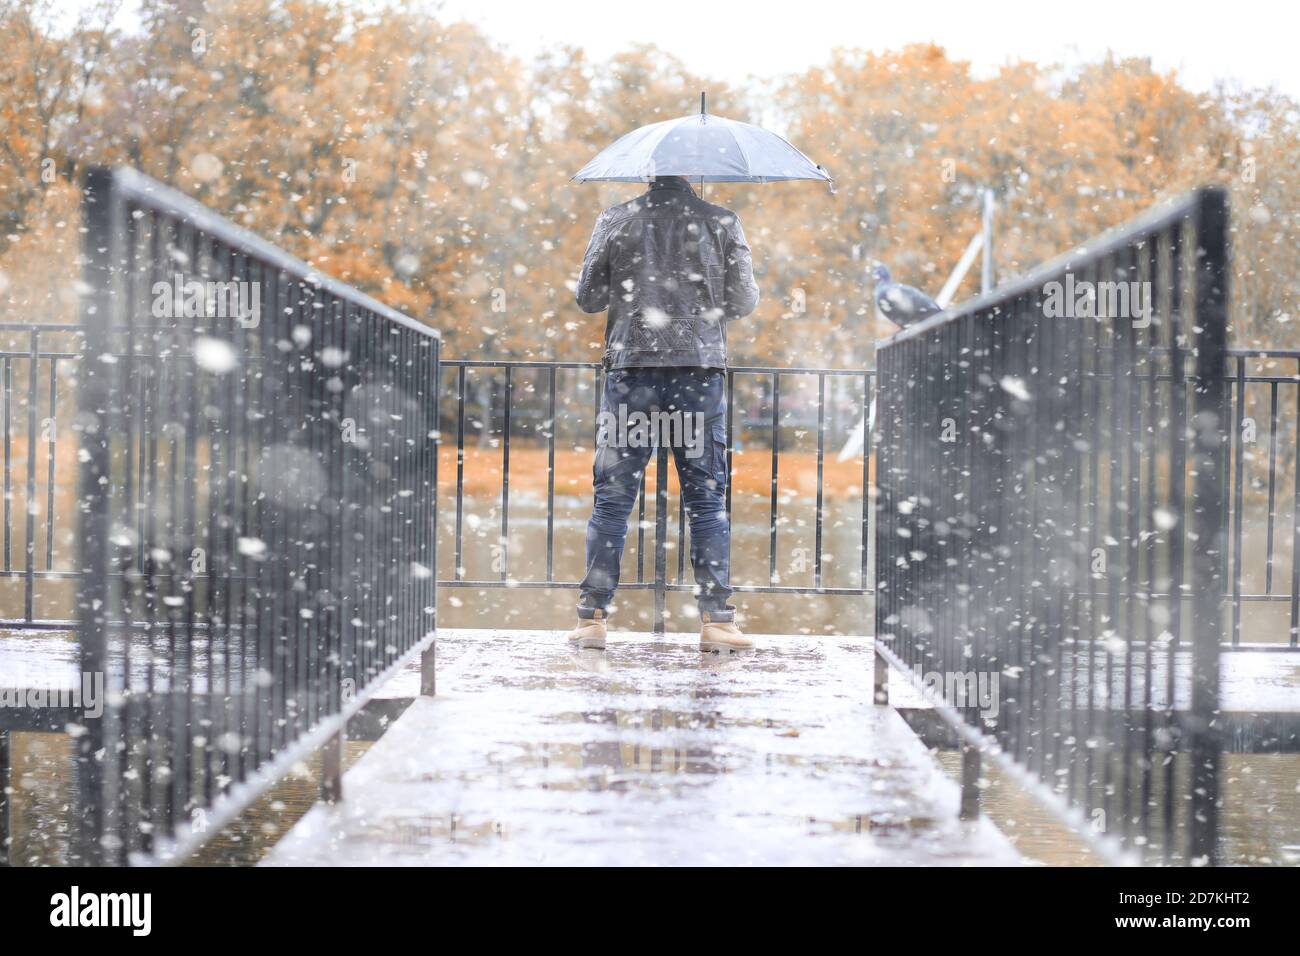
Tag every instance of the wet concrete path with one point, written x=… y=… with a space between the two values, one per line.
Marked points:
x=647 y=753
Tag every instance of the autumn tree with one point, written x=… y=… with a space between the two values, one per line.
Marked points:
x=419 y=161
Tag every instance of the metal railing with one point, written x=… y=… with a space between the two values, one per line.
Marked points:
x=257 y=514
x=1257 y=394
x=196 y=459
x=531 y=389
x=1057 y=529
x=39 y=513
x=38 y=365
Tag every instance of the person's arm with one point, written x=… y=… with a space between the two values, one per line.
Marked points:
x=740 y=293
x=592 y=293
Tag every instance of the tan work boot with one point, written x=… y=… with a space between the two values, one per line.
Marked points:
x=590 y=632
x=721 y=636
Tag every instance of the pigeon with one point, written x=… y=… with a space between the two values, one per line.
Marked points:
x=901 y=304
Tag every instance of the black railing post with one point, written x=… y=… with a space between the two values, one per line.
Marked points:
x=1237 y=446
x=331 y=767
x=104 y=218
x=884 y=425
x=1294 y=629
x=29 y=572
x=6 y=801
x=970 y=781
x=880 y=676
x=661 y=539
x=1211 y=443
x=429 y=659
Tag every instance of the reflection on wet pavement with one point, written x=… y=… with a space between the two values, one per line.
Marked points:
x=647 y=753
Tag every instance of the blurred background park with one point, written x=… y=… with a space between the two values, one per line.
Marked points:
x=422 y=161
x=419 y=158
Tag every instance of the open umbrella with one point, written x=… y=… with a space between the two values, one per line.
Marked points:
x=704 y=148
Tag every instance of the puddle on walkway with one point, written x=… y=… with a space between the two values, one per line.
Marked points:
x=648 y=753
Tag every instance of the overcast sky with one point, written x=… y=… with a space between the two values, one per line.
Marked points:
x=1253 y=43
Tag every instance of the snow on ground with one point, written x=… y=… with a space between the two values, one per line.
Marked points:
x=648 y=753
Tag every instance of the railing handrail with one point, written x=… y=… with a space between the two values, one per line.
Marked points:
x=134 y=186
x=38 y=327
x=567 y=363
x=1112 y=240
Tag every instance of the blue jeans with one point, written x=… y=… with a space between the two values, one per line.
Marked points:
x=687 y=409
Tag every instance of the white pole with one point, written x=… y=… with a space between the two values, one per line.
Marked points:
x=959 y=273
x=986 y=275
x=981 y=240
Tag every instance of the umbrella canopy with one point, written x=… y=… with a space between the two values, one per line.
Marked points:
x=704 y=148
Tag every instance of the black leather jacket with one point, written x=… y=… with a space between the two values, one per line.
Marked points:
x=672 y=269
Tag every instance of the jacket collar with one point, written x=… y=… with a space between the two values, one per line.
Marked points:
x=671 y=182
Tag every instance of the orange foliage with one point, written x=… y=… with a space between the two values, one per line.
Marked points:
x=417 y=160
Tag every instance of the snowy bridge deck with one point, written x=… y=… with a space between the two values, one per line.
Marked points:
x=649 y=753
x=1257 y=683
x=652 y=753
